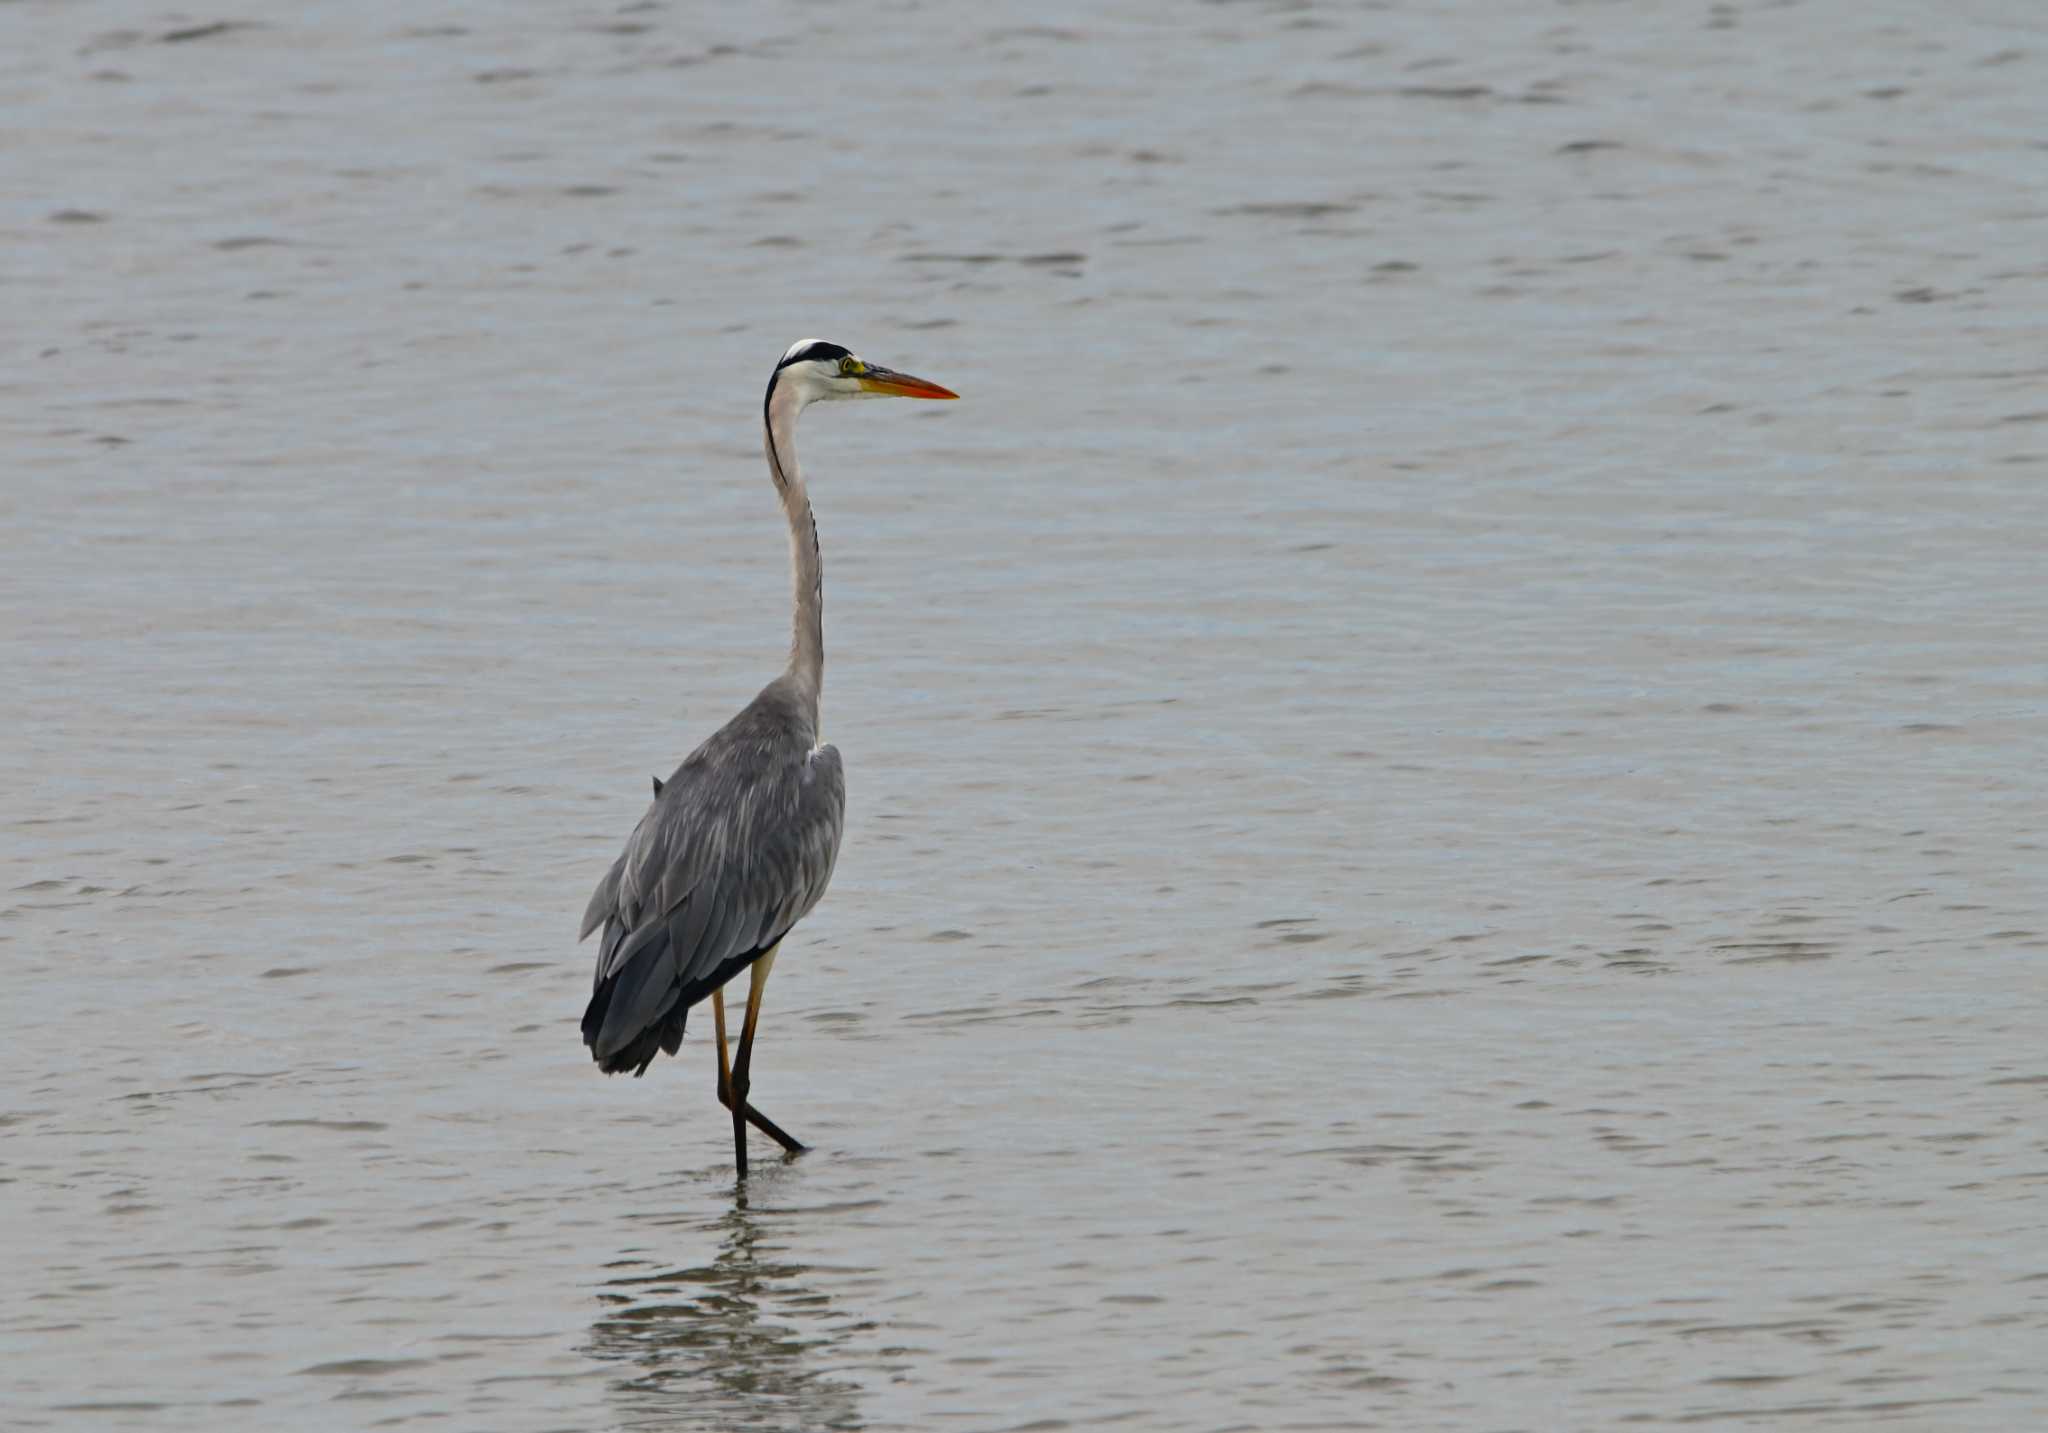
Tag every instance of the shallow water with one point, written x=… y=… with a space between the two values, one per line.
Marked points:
x=1446 y=755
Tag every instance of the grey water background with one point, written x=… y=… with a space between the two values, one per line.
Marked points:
x=1446 y=752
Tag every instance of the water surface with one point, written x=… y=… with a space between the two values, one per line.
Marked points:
x=1446 y=756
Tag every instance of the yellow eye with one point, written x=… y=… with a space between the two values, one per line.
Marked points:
x=849 y=365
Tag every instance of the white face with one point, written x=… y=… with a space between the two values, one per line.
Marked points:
x=825 y=378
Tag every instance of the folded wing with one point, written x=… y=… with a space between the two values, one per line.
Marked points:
x=738 y=847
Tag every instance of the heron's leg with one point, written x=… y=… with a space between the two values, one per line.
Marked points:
x=745 y=1059
x=724 y=1064
x=736 y=1101
x=755 y=1118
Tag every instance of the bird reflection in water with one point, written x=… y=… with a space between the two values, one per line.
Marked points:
x=733 y=1344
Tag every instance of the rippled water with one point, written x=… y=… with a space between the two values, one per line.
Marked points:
x=1446 y=757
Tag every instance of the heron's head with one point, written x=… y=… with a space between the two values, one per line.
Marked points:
x=819 y=371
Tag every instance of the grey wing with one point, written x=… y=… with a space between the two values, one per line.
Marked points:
x=717 y=871
x=792 y=860
x=604 y=901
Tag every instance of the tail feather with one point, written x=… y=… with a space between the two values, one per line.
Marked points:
x=635 y=1010
x=637 y=1051
x=640 y=1007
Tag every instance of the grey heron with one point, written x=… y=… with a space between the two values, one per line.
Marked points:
x=740 y=841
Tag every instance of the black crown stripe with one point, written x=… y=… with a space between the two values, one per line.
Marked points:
x=830 y=352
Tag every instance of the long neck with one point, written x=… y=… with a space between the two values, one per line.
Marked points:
x=807 y=568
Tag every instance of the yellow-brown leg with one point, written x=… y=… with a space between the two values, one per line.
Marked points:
x=758 y=1120
x=743 y=1061
x=738 y=1089
x=724 y=1065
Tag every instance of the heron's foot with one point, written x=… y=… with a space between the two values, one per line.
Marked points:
x=767 y=1126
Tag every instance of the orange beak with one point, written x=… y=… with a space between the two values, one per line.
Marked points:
x=901 y=385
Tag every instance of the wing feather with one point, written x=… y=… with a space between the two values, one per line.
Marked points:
x=604 y=900
x=643 y=992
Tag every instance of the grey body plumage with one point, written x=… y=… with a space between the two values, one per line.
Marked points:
x=736 y=848
x=740 y=841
